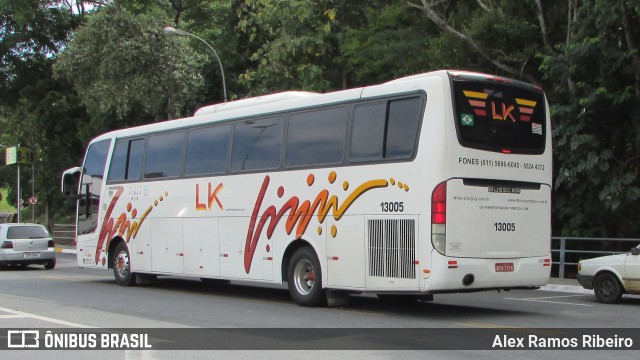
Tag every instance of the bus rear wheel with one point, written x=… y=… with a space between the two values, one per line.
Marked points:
x=122 y=265
x=305 y=278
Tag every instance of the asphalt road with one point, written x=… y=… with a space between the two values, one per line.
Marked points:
x=68 y=297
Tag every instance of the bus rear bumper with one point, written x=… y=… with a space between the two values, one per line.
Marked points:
x=451 y=274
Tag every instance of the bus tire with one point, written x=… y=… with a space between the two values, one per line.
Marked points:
x=607 y=288
x=122 y=266
x=305 y=278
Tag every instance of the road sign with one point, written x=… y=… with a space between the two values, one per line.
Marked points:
x=33 y=200
x=19 y=155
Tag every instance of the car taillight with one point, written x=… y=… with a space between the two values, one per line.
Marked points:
x=439 y=217
x=7 y=245
x=51 y=243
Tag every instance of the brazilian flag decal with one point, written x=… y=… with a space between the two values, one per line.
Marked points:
x=466 y=119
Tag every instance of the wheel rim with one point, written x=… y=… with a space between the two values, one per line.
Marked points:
x=122 y=264
x=304 y=277
x=606 y=288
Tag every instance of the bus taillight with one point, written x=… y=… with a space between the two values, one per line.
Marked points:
x=439 y=217
x=439 y=204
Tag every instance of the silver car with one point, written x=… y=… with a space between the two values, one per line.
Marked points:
x=26 y=244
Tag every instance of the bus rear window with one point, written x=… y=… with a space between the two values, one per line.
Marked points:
x=500 y=117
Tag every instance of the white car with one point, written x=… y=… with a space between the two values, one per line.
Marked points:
x=611 y=276
x=26 y=244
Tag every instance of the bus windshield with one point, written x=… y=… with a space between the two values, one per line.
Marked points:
x=500 y=117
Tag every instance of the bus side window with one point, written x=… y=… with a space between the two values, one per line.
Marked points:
x=316 y=137
x=257 y=144
x=207 y=150
x=126 y=162
x=164 y=155
x=367 y=134
x=385 y=130
x=402 y=127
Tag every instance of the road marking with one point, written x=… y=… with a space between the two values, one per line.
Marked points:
x=512 y=328
x=12 y=316
x=553 y=297
x=19 y=313
x=551 y=302
x=361 y=312
x=486 y=325
x=76 y=278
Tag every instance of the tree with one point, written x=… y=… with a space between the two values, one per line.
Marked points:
x=502 y=33
x=594 y=78
x=296 y=44
x=36 y=110
x=127 y=72
x=395 y=41
x=585 y=54
x=213 y=21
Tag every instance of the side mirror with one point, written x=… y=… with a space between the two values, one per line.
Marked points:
x=635 y=251
x=71 y=181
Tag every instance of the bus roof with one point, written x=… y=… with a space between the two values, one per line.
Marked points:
x=254 y=101
x=269 y=104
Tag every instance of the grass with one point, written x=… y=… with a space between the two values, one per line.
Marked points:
x=5 y=206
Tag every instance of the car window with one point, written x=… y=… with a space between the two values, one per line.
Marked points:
x=27 y=232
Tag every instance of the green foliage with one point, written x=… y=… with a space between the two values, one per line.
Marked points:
x=36 y=110
x=127 y=72
x=393 y=42
x=6 y=203
x=213 y=21
x=595 y=92
x=296 y=44
x=32 y=33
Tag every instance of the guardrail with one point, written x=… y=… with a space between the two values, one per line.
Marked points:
x=566 y=252
x=64 y=234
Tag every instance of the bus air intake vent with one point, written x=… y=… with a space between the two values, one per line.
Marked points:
x=392 y=248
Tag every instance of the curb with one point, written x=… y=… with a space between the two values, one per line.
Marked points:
x=573 y=289
x=65 y=250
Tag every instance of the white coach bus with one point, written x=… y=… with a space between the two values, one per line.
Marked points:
x=433 y=183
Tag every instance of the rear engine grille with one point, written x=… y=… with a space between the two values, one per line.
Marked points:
x=392 y=248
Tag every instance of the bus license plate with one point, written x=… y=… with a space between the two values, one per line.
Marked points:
x=504 y=267
x=30 y=255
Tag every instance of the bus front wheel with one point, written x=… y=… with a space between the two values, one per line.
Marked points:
x=305 y=278
x=122 y=265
